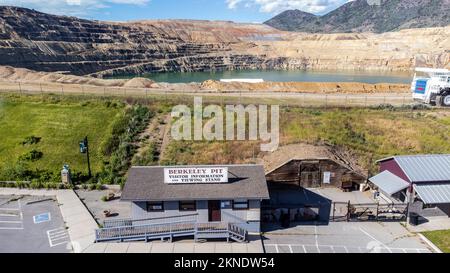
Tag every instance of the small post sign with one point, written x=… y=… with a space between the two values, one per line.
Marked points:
x=326 y=177
x=199 y=175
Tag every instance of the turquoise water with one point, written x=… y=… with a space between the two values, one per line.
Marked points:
x=283 y=76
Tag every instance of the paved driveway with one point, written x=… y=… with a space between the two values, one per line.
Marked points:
x=338 y=237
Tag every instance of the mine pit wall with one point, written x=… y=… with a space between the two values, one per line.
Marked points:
x=43 y=42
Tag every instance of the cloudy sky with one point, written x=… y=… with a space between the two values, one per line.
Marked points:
x=122 y=10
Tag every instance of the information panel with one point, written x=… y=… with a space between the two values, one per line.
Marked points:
x=195 y=175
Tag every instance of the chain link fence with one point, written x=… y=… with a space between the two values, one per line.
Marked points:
x=229 y=97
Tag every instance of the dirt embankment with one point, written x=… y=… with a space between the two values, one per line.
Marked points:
x=308 y=87
x=8 y=73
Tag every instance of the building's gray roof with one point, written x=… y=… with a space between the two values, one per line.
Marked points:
x=147 y=184
x=436 y=193
x=388 y=182
x=424 y=168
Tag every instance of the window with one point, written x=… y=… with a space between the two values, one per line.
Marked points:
x=155 y=206
x=240 y=204
x=187 y=206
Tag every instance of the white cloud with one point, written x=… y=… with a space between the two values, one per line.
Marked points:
x=70 y=7
x=277 y=6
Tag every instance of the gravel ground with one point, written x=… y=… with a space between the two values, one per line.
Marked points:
x=92 y=200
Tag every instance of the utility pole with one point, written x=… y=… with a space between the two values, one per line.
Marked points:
x=84 y=149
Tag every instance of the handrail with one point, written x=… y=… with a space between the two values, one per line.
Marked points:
x=164 y=230
x=148 y=225
x=240 y=220
x=131 y=222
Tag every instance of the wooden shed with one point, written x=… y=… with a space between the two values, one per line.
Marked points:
x=315 y=173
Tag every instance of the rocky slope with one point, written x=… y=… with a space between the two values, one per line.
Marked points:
x=368 y=16
x=43 y=42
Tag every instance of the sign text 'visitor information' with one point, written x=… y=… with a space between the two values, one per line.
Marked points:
x=195 y=175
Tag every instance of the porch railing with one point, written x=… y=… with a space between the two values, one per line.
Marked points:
x=150 y=221
x=171 y=230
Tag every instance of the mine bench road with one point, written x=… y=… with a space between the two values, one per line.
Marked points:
x=269 y=97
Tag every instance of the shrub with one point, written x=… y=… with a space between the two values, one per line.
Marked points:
x=31 y=140
x=119 y=147
x=148 y=158
x=32 y=155
x=35 y=184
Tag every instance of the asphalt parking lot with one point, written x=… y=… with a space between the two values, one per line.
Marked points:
x=343 y=237
x=32 y=225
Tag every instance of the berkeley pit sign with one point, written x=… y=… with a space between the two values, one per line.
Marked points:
x=196 y=175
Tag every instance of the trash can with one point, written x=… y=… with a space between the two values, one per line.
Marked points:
x=414 y=219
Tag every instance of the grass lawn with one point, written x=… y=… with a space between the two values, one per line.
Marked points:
x=370 y=134
x=60 y=126
x=440 y=238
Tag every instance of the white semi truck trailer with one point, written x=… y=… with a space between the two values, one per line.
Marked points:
x=432 y=86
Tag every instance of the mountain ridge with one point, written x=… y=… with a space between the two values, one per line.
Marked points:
x=360 y=16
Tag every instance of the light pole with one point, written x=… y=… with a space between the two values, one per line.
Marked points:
x=84 y=149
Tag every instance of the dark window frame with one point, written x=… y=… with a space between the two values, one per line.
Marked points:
x=187 y=201
x=234 y=202
x=155 y=202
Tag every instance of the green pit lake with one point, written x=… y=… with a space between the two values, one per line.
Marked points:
x=282 y=76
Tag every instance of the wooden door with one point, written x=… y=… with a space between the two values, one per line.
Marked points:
x=214 y=214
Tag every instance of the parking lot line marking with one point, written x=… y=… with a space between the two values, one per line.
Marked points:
x=360 y=249
x=316 y=237
x=11 y=228
x=276 y=248
x=290 y=249
x=11 y=222
x=8 y=215
x=59 y=230
x=21 y=212
x=58 y=237
x=375 y=239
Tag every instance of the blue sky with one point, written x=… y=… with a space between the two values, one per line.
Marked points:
x=124 y=10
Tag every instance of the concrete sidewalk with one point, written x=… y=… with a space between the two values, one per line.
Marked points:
x=434 y=223
x=188 y=246
x=81 y=225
